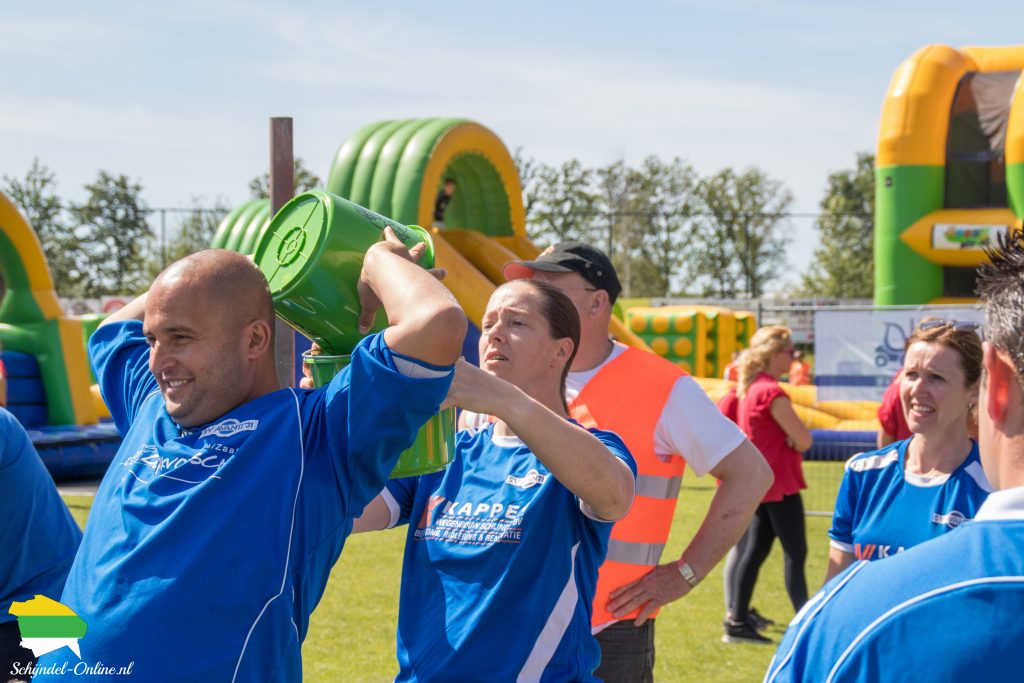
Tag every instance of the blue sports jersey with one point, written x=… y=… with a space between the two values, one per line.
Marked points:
x=207 y=548
x=882 y=510
x=946 y=610
x=38 y=536
x=500 y=568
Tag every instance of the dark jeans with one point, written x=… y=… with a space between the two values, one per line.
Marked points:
x=627 y=653
x=784 y=520
x=11 y=653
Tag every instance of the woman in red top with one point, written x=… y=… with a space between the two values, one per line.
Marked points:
x=767 y=417
x=891 y=417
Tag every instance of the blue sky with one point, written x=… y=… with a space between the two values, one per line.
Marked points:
x=177 y=95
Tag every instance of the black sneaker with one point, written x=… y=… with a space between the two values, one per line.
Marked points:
x=742 y=632
x=758 y=621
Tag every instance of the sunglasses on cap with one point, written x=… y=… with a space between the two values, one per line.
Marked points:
x=966 y=325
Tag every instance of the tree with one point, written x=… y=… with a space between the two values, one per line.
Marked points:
x=196 y=229
x=623 y=223
x=843 y=265
x=530 y=171
x=614 y=186
x=641 y=217
x=35 y=196
x=115 y=238
x=304 y=179
x=566 y=206
x=664 y=200
x=741 y=243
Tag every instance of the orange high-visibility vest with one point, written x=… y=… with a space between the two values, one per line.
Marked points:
x=627 y=397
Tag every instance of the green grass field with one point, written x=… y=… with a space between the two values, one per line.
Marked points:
x=352 y=633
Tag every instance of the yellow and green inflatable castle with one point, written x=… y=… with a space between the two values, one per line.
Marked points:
x=949 y=170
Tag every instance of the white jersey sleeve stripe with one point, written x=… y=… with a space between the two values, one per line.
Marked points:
x=411 y=368
x=551 y=635
x=977 y=473
x=806 y=615
x=839 y=545
x=908 y=603
x=874 y=462
x=393 y=507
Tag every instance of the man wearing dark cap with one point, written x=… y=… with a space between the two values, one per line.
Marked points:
x=666 y=420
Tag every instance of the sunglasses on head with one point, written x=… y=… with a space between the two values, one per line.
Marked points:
x=967 y=325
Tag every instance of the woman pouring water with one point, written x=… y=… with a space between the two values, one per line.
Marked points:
x=503 y=548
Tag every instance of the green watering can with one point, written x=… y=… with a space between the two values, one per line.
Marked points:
x=312 y=254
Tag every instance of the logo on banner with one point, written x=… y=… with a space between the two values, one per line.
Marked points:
x=890 y=351
x=857 y=352
x=954 y=237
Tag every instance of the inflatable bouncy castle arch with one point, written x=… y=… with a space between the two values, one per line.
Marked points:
x=396 y=169
x=49 y=373
x=949 y=170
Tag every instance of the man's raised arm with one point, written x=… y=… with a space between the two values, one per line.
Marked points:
x=425 y=321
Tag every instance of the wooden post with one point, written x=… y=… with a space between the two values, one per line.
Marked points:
x=282 y=188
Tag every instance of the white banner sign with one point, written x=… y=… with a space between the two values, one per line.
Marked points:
x=857 y=353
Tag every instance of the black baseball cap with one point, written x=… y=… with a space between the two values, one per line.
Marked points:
x=570 y=257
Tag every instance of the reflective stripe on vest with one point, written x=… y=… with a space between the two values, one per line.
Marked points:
x=654 y=486
x=648 y=521
x=634 y=553
x=627 y=397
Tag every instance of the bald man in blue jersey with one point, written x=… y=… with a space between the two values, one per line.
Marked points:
x=214 y=530
x=950 y=608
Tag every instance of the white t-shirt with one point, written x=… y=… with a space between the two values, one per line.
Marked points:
x=690 y=423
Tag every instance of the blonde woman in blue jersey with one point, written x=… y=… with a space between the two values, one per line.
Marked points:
x=503 y=548
x=914 y=490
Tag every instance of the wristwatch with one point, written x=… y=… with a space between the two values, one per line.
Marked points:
x=687 y=573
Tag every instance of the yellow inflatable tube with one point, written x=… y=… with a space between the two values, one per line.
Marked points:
x=474 y=262
x=838 y=415
x=97 y=401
